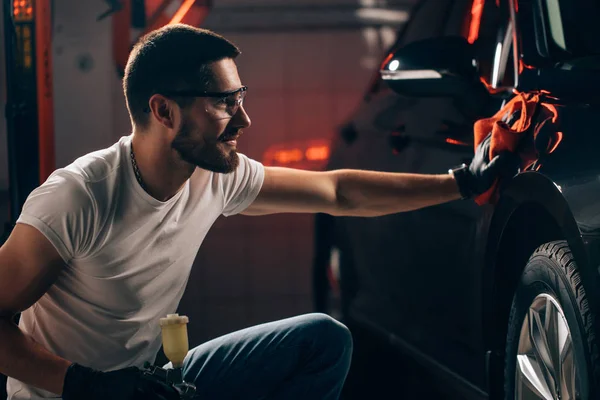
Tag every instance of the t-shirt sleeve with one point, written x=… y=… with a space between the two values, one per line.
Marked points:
x=63 y=211
x=241 y=186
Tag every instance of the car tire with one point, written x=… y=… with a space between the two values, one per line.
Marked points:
x=551 y=331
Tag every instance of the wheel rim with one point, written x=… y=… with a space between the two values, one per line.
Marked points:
x=546 y=362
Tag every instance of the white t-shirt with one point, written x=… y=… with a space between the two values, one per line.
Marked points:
x=128 y=256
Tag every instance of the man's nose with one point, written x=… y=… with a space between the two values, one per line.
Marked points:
x=241 y=118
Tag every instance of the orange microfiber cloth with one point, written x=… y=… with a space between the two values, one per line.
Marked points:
x=505 y=137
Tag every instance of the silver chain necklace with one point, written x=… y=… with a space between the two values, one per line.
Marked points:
x=136 y=169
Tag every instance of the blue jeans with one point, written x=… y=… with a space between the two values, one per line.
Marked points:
x=304 y=357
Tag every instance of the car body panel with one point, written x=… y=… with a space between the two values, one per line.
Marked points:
x=438 y=282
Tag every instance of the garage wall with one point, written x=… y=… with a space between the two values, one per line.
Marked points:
x=303 y=82
x=256 y=269
x=305 y=77
x=85 y=80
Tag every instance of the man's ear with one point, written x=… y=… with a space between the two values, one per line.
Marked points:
x=162 y=110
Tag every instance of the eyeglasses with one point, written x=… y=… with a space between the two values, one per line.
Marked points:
x=224 y=104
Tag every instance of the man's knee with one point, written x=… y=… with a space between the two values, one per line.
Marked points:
x=332 y=328
x=332 y=334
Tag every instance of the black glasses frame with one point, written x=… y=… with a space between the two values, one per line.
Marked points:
x=194 y=93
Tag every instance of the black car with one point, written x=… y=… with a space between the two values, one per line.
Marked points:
x=500 y=300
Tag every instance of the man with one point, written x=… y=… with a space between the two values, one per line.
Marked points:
x=104 y=247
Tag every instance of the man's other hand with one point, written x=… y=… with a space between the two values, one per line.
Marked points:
x=124 y=384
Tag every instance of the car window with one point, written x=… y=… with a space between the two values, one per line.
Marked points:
x=572 y=27
x=555 y=26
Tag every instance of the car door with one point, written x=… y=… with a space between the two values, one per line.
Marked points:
x=374 y=127
x=445 y=244
x=419 y=272
x=374 y=243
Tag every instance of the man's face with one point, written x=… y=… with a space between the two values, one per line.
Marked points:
x=210 y=127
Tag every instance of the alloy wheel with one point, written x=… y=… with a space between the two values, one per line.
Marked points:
x=546 y=362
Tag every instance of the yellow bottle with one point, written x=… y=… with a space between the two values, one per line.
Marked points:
x=175 y=338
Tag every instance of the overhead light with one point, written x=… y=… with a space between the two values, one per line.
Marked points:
x=394 y=65
x=382 y=15
x=414 y=74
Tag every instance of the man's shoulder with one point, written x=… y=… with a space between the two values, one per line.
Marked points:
x=90 y=178
x=95 y=166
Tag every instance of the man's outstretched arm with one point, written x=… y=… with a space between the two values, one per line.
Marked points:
x=369 y=193
x=350 y=192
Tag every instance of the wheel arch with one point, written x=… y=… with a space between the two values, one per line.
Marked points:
x=530 y=212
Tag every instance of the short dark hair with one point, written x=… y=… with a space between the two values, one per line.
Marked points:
x=172 y=57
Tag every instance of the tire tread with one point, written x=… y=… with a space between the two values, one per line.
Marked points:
x=560 y=252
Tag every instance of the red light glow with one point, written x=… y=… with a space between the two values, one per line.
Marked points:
x=558 y=139
x=456 y=142
x=310 y=154
x=23 y=10
x=317 y=153
x=180 y=14
x=476 y=12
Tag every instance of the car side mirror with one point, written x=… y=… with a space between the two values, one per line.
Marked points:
x=435 y=67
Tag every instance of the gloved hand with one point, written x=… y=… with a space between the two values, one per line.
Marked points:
x=482 y=173
x=124 y=384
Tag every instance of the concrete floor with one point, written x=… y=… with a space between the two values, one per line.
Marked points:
x=378 y=372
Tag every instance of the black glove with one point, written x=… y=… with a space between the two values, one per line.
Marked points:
x=481 y=174
x=124 y=384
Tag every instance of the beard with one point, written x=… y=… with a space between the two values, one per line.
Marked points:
x=213 y=156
